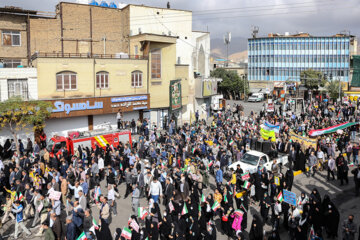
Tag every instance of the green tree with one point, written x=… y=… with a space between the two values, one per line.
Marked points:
x=232 y=85
x=333 y=89
x=312 y=79
x=17 y=115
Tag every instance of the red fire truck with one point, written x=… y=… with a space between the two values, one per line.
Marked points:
x=100 y=137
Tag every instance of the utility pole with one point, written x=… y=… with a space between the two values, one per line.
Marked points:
x=227 y=40
x=339 y=90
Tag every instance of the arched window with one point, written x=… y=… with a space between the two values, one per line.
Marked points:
x=102 y=80
x=136 y=79
x=66 y=81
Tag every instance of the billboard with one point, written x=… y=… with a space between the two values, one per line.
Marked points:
x=175 y=95
x=210 y=86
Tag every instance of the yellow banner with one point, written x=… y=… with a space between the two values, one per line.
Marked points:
x=266 y=134
x=304 y=141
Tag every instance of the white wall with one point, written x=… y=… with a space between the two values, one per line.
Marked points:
x=61 y=126
x=18 y=73
x=111 y=118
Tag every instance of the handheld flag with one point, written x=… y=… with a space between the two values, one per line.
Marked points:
x=171 y=207
x=21 y=197
x=203 y=198
x=142 y=213
x=215 y=206
x=94 y=223
x=82 y=236
x=280 y=197
x=184 y=210
x=246 y=185
x=126 y=233
x=225 y=198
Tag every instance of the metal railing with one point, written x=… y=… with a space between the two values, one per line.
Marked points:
x=87 y=55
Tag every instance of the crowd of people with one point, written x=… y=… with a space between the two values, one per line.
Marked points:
x=174 y=170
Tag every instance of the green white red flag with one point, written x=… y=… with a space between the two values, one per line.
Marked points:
x=184 y=210
x=142 y=213
x=280 y=197
x=126 y=233
x=215 y=206
x=82 y=236
x=246 y=185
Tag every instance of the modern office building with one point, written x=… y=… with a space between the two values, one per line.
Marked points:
x=283 y=57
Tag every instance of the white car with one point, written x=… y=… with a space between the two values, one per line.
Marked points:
x=256 y=97
x=252 y=159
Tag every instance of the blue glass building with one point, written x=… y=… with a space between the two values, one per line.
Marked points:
x=281 y=58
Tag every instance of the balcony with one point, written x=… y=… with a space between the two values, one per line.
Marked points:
x=87 y=55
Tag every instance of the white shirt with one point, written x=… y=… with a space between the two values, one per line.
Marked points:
x=76 y=190
x=111 y=194
x=101 y=163
x=155 y=188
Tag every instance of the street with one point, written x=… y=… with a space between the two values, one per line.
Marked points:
x=342 y=196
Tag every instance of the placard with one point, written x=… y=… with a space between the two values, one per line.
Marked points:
x=55 y=195
x=289 y=197
x=277 y=181
x=245 y=176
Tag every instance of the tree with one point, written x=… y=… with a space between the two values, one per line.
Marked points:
x=232 y=85
x=17 y=115
x=333 y=89
x=312 y=79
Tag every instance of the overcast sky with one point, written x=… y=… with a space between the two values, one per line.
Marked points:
x=318 y=17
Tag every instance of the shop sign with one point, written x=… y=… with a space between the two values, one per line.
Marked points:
x=175 y=95
x=60 y=106
x=129 y=99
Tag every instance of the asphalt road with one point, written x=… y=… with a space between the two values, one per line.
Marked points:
x=343 y=197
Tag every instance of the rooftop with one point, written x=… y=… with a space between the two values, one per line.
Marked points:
x=301 y=35
x=12 y=9
x=87 y=55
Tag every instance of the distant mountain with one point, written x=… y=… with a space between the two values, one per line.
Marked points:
x=218 y=48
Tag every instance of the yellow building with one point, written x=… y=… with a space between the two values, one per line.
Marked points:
x=88 y=90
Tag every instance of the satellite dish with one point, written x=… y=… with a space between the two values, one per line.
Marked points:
x=255 y=31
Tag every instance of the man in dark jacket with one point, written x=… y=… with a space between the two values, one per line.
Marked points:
x=356 y=173
x=56 y=227
x=70 y=229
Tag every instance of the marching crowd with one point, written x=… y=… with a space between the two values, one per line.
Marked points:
x=58 y=193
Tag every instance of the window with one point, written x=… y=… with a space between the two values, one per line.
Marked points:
x=66 y=81
x=11 y=63
x=102 y=80
x=136 y=79
x=18 y=88
x=156 y=63
x=11 y=38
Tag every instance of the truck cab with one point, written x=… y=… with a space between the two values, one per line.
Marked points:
x=253 y=159
x=57 y=142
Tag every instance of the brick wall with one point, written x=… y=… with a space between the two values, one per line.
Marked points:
x=112 y=23
x=17 y=23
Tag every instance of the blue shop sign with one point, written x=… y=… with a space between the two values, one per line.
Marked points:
x=62 y=107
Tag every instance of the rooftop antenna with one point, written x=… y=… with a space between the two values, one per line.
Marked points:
x=227 y=40
x=345 y=32
x=255 y=31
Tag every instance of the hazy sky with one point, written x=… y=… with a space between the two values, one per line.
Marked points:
x=318 y=17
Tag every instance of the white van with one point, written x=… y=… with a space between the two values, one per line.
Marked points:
x=256 y=97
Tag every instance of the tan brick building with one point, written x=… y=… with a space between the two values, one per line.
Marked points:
x=81 y=29
x=14 y=37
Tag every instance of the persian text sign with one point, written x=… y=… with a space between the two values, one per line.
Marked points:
x=289 y=197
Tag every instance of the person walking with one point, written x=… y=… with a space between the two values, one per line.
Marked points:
x=119 y=120
x=18 y=209
x=135 y=198
x=331 y=168
x=349 y=228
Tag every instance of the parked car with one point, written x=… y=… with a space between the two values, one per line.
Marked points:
x=256 y=97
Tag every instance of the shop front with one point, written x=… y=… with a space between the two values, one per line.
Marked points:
x=82 y=114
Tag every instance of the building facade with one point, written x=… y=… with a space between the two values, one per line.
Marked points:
x=284 y=57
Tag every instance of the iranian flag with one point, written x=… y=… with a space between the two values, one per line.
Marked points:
x=211 y=163
x=126 y=233
x=215 y=206
x=246 y=184
x=280 y=197
x=94 y=223
x=184 y=210
x=193 y=150
x=21 y=197
x=318 y=132
x=142 y=213
x=121 y=167
x=203 y=198
x=231 y=142
x=225 y=198
x=82 y=237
